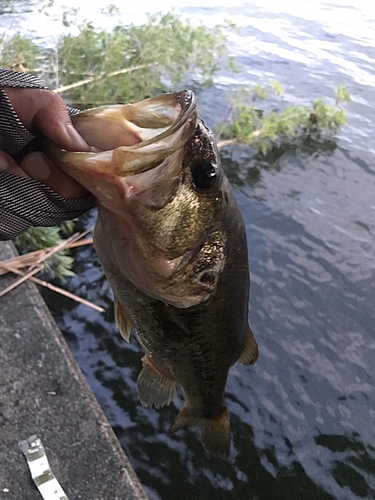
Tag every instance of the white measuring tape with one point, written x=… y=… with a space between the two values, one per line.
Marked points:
x=40 y=470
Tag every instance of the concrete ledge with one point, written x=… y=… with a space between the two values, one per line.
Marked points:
x=43 y=392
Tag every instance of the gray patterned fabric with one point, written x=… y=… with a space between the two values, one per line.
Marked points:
x=26 y=202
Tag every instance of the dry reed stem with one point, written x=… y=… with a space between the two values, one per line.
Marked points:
x=34 y=262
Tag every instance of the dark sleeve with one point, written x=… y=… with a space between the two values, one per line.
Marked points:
x=26 y=202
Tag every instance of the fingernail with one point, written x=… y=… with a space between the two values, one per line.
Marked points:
x=77 y=142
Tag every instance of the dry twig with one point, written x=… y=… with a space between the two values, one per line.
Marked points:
x=29 y=259
x=59 y=90
x=33 y=262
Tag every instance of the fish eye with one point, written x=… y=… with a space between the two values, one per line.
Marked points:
x=204 y=174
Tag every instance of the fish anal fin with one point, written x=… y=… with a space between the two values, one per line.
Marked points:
x=184 y=419
x=250 y=351
x=123 y=320
x=214 y=432
x=154 y=387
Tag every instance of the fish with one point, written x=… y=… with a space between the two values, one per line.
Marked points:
x=172 y=242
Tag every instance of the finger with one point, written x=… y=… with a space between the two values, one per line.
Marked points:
x=54 y=122
x=40 y=168
x=8 y=165
x=45 y=111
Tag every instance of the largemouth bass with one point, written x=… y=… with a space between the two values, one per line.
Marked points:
x=171 y=240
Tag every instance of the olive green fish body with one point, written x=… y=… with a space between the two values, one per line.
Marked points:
x=195 y=346
x=172 y=243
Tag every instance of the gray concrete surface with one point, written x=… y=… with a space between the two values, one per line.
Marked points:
x=43 y=392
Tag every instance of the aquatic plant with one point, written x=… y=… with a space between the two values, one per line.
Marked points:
x=126 y=64
x=19 y=53
x=132 y=62
x=60 y=264
x=253 y=123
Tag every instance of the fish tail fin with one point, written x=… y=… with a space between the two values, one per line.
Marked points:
x=215 y=435
x=214 y=431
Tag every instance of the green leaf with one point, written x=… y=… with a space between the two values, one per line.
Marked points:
x=19 y=53
x=342 y=94
x=276 y=87
x=36 y=238
x=263 y=129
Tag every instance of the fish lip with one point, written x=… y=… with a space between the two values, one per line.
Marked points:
x=186 y=99
x=150 y=152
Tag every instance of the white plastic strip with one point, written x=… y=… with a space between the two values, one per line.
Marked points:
x=40 y=470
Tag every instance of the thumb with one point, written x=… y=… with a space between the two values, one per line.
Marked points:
x=52 y=120
x=45 y=112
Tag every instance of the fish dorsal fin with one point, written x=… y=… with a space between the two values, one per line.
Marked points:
x=154 y=387
x=123 y=320
x=250 y=351
x=214 y=431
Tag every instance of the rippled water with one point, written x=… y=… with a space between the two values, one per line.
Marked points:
x=303 y=418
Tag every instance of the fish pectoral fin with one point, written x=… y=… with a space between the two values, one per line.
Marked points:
x=154 y=388
x=123 y=320
x=214 y=431
x=250 y=352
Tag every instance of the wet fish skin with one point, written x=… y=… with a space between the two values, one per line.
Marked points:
x=171 y=240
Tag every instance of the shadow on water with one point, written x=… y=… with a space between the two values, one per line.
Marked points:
x=243 y=165
x=356 y=459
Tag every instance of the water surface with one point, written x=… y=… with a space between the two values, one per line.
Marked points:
x=303 y=416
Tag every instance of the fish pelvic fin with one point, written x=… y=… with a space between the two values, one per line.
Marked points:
x=123 y=320
x=154 y=387
x=214 y=431
x=250 y=352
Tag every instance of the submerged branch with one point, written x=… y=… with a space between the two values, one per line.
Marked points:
x=235 y=140
x=227 y=142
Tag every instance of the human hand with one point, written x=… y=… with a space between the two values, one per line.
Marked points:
x=43 y=111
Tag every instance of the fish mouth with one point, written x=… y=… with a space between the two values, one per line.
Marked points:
x=150 y=121
x=129 y=139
